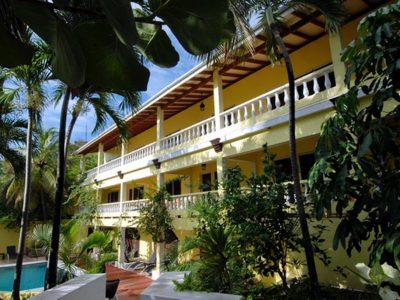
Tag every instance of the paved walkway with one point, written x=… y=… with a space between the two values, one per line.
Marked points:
x=131 y=284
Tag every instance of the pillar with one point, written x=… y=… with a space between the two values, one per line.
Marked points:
x=123 y=195
x=82 y=165
x=121 y=246
x=221 y=168
x=100 y=157
x=218 y=99
x=336 y=47
x=160 y=126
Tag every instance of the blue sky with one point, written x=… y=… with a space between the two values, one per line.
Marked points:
x=159 y=78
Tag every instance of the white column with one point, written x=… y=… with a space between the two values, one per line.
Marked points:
x=218 y=99
x=121 y=246
x=160 y=126
x=124 y=151
x=221 y=168
x=123 y=194
x=82 y=165
x=100 y=157
x=336 y=46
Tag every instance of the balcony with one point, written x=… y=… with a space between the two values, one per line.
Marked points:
x=176 y=203
x=243 y=116
x=132 y=208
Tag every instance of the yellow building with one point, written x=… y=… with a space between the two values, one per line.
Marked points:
x=214 y=118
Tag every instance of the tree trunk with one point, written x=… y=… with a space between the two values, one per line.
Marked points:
x=51 y=276
x=42 y=203
x=75 y=115
x=312 y=271
x=25 y=206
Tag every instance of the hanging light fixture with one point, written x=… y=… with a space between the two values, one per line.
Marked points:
x=202 y=106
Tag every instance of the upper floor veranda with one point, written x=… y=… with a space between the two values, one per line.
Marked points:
x=214 y=105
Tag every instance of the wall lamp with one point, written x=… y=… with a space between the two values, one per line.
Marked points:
x=157 y=163
x=95 y=181
x=120 y=174
x=202 y=106
x=203 y=167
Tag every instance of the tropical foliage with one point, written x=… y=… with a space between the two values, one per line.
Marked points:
x=358 y=159
x=249 y=231
x=154 y=218
x=76 y=250
x=269 y=12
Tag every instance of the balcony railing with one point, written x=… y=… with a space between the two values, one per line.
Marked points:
x=182 y=202
x=140 y=153
x=133 y=206
x=188 y=134
x=115 y=163
x=177 y=202
x=306 y=86
x=108 y=208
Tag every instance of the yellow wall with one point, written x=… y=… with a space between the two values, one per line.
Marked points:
x=8 y=237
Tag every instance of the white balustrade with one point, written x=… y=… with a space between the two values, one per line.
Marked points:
x=177 y=202
x=140 y=153
x=182 y=202
x=319 y=80
x=115 y=163
x=188 y=134
x=133 y=205
x=108 y=208
x=91 y=173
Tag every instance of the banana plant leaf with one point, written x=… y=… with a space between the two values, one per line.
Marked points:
x=155 y=44
x=110 y=64
x=13 y=52
x=120 y=16
x=69 y=63
x=199 y=25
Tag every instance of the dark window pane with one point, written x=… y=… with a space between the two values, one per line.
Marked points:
x=306 y=162
x=206 y=182
x=174 y=187
x=286 y=167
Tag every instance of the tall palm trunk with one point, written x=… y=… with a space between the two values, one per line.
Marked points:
x=51 y=277
x=43 y=204
x=75 y=114
x=25 y=206
x=312 y=271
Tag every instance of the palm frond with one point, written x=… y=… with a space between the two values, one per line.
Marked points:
x=240 y=43
x=103 y=111
x=333 y=10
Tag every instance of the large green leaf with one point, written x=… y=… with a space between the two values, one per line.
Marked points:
x=69 y=63
x=13 y=52
x=199 y=25
x=120 y=16
x=151 y=40
x=110 y=64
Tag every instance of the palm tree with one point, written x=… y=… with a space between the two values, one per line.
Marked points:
x=101 y=103
x=26 y=87
x=12 y=134
x=268 y=11
x=42 y=177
